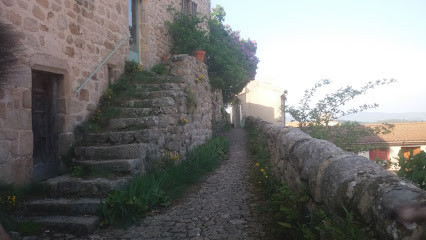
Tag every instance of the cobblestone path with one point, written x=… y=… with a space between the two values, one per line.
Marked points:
x=219 y=208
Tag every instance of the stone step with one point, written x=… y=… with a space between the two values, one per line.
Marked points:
x=79 y=225
x=126 y=151
x=151 y=122
x=160 y=86
x=151 y=103
x=124 y=137
x=122 y=166
x=147 y=94
x=67 y=186
x=137 y=112
x=62 y=206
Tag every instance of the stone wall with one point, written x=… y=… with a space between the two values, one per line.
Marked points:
x=336 y=178
x=198 y=129
x=69 y=38
x=154 y=39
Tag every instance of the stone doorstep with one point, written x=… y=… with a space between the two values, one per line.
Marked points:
x=124 y=137
x=127 y=151
x=65 y=186
x=62 y=206
x=80 y=225
x=116 y=166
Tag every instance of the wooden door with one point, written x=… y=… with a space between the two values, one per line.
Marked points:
x=45 y=124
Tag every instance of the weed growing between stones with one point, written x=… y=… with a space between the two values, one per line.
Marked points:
x=113 y=98
x=286 y=212
x=159 y=69
x=12 y=204
x=191 y=102
x=161 y=186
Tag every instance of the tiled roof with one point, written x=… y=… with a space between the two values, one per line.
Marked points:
x=402 y=132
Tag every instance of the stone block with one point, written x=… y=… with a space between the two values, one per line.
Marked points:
x=25 y=143
x=73 y=106
x=31 y=24
x=43 y=3
x=74 y=28
x=62 y=22
x=8 y=3
x=84 y=95
x=23 y=4
x=69 y=51
x=20 y=76
x=37 y=13
x=19 y=119
x=14 y=18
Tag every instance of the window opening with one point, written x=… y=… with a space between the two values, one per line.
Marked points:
x=194 y=8
x=133 y=30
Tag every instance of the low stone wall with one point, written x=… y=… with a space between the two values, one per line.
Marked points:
x=336 y=178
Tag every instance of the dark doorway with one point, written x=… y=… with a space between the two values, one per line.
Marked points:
x=45 y=124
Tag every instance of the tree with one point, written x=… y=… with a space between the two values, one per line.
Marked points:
x=315 y=119
x=232 y=61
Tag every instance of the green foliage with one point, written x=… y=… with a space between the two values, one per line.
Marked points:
x=345 y=135
x=113 y=97
x=164 y=184
x=314 y=119
x=159 y=69
x=187 y=33
x=12 y=202
x=191 y=101
x=413 y=168
x=331 y=106
x=285 y=211
x=232 y=61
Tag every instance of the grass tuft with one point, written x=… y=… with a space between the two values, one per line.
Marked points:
x=164 y=184
x=285 y=213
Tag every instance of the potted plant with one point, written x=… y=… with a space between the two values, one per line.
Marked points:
x=187 y=35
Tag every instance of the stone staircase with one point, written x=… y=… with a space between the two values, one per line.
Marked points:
x=125 y=148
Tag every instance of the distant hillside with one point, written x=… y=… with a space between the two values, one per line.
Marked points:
x=378 y=117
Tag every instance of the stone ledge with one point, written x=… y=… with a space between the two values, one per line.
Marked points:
x=337 y=178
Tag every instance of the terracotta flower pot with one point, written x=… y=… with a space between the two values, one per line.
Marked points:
x=200 y=55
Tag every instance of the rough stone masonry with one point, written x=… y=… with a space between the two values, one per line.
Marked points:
x=336 y=178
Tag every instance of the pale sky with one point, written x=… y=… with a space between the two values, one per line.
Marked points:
x=346 y=41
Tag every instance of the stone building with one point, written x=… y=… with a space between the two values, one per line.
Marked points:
x=62 y=42
x=259 y=99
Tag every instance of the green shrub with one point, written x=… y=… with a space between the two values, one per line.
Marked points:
x=165 y=183
x=12 y=203
x=159 y=69
x=413 y=168
x=232 y=61
x=187 y=33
